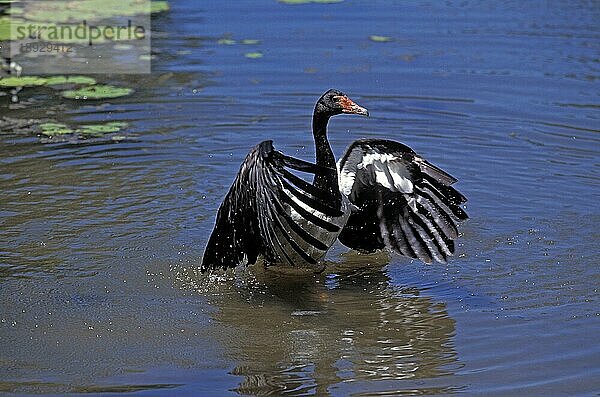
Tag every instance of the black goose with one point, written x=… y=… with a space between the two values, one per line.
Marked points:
x=381 y=194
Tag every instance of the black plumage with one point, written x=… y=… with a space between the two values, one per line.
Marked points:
x=380 y=194
x=402 y=201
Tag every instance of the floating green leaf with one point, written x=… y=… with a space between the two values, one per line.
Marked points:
x=253 y=55
x=159 y=6
x=5 y=28
x=250 y=41
x=25 y=81
x=32 y=81
x=99 y=129
x=97 y=92
x=53 y=129
x=57 y=80
x=89 y=130
x=380 y=39
x=84 y=80
x=90 y=10
x=310 y=1
x=226 y=41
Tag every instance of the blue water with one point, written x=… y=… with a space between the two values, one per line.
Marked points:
x=100 y=242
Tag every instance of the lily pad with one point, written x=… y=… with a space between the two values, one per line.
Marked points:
x=83 y=80
x=310 y=1
x=97 y=92
x=25 y=81
x=5 y=28
x=54 y=129
x=159 y=6
x=90 y=10
x=85 y=131
x=57 y=80
x=380 y=39
x=253 y=55
x=226 y=41
x=250 y=41
x=99 y=129
x=32 y=81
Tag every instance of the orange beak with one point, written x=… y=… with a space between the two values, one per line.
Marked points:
x=348 y=106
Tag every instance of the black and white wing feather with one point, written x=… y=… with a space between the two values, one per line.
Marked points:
x=270 y=211
x=402 y=201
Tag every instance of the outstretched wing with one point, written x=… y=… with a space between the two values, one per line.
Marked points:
x=270 y=211
x=402 y=201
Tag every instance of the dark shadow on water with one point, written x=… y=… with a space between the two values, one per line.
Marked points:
x=348 y=328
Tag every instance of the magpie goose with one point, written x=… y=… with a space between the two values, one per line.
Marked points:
x=381 y=194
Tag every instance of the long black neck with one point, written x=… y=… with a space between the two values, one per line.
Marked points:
x=325 y=180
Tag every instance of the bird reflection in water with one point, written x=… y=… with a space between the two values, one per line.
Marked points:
x=349 y=328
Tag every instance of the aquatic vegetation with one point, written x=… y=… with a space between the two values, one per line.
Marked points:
x=97 y=92
x=250 y=41
x=159 y=6
x=226 y=41
x=70 y=11
x=253 y=55
x=310 y=1
x=8 y=25
x=60 y=19
x=88 y=89
x=82 y=80
x=380 y=39
x=5 y=28
x=100 y=129
x=25 y=81
x=52 y=129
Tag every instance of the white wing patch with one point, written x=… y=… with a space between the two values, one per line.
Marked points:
x=380 y=162
x=345 y=180
x=371 y=158
x=401 y=182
